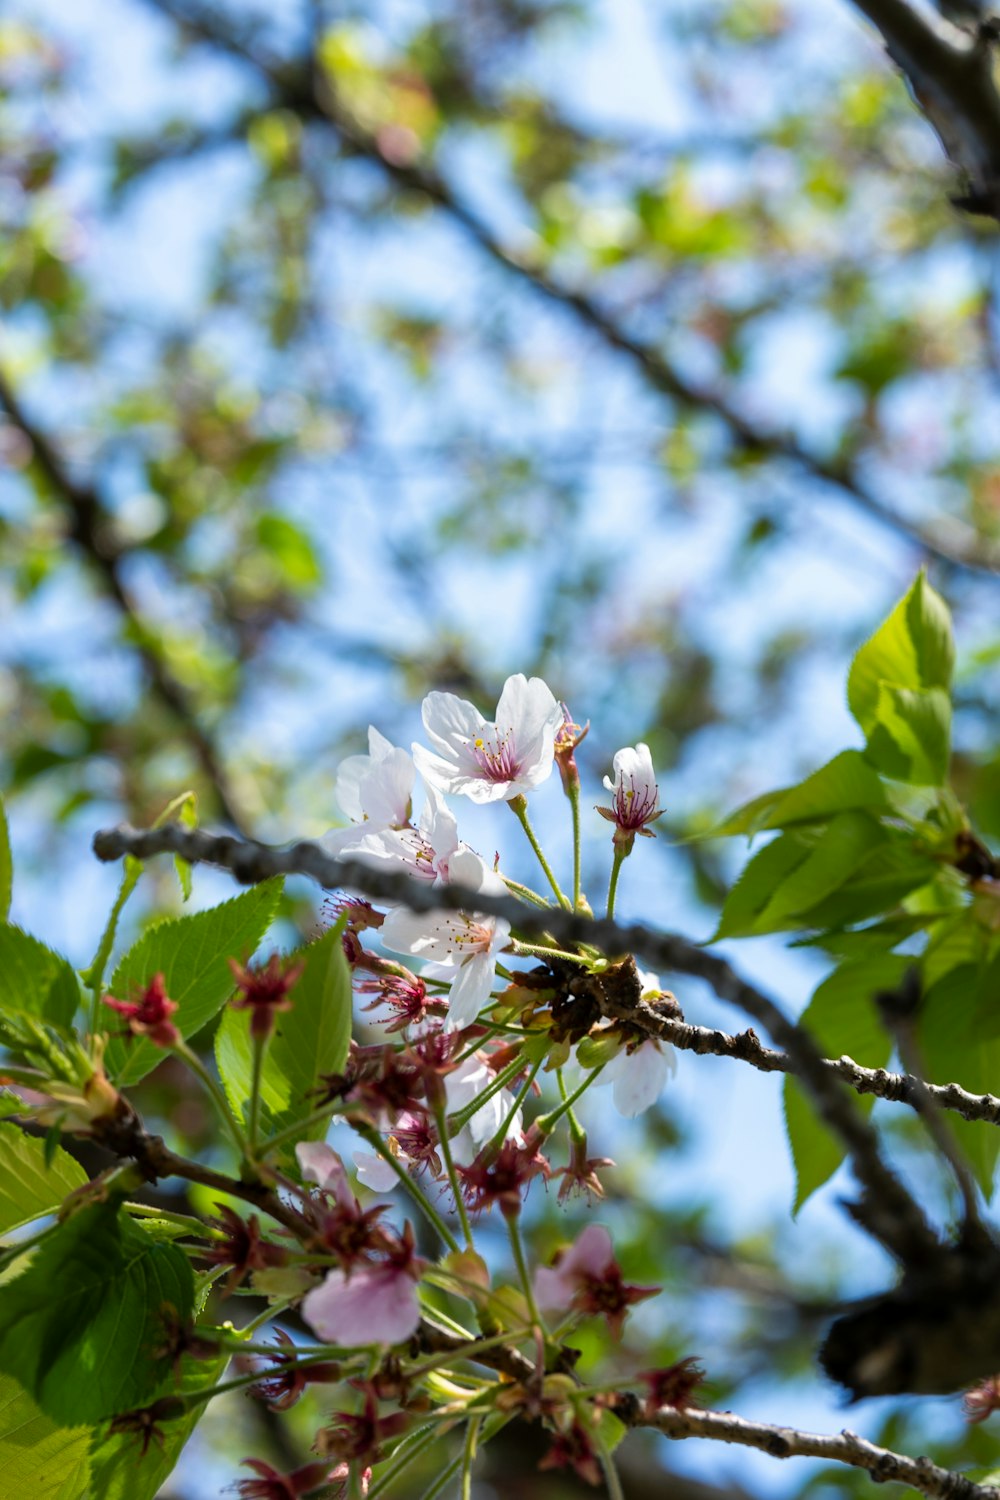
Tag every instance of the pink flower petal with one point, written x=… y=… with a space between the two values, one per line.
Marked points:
x=377 y=1305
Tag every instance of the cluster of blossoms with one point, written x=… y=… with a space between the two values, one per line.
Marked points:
x=476 y=1016
x=442 y=1108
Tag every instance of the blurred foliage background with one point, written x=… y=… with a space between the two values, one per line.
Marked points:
x=350 y=350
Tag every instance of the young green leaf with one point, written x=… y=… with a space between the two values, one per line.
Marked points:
x=891 y=872
x=843 y=1019
x=763 y=875
x=844 y=845
x=82 y=1328
x=192 y=953
x=34 y=980
x=911 y=738
x=846 y=783
x=913 y=649
x=309 y=1040
x=29 y=1187
x=38 y=1457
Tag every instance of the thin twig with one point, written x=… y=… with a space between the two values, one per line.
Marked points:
x=843 y=1447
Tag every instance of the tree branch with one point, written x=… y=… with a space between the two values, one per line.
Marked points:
x=951 y=76
x=843 y=1447
x=303 y=89
x=887 y=1210
x=88 y=527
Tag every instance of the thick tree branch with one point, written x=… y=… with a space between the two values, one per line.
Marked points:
x=89 y=529
x=887 y=1210
x=952 y=78
x=843 y=1447
x=303 y=89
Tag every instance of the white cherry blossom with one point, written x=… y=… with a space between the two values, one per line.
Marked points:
x=425 y=851
x=491 y=762
x=462 y=1086
x=465 y=945
x=635 y=799
x=374 y=791
x=639 y=1074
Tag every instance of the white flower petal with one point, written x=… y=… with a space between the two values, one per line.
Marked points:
x=471 y=990
x=378 y=746
x=319 y=1163
x=375 y=1172
x=639 y=1077
x=450 y=722
x=347 y=788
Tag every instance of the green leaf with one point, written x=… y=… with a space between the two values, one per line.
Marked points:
x=782 y=884
x=912 y=649
x=890 y=873
x=191 y=953
x=929 y=623
x=911 y=740
x=38 y=1458
x=34 y=980
x=757 y=884
x=844 y=844
x=957 y=1049
x=118 y=1473
x=843 y=1019
x=309 y=1040
x=6 y=865
x=28 y=1187
x=954 y=940
x=846 y=783
x=82 y=1326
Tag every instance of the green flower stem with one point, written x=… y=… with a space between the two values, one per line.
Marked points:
x=519 y=807
x=525 y=892
x=491 y=1426
x=447 y=1281
x=576 y=1130
x=517 y=1250
x=463 y=1116
x=153 y=1211
x=545 y=950
x=613 y=884
x=456 y=1188
x=412 y=1446
x=327 y=1112
x=240 y=1382
x=497 y=1140
x=573 y=793
x=546 y=1123
x=197 y=1067
x=259 y=1044
x=94 y=976
x=610 y=1468
x=419 y=1197
x=477 y=1044
x=469 y=1456
x=10 y=1253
